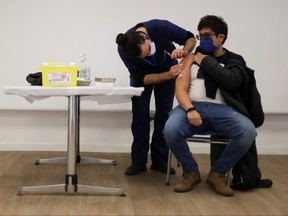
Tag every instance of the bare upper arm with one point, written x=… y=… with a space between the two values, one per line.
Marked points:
x=183 y=80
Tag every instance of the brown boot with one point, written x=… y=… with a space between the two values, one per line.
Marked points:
x=189 y=180
x=218 y=182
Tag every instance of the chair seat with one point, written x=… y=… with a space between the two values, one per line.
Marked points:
x=209 y=136
x=206 y=136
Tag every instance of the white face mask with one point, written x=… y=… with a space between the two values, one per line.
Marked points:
x=152 y=49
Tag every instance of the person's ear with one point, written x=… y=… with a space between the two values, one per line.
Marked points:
x=221 y=37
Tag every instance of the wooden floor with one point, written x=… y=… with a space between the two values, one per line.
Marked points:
x=146 y=194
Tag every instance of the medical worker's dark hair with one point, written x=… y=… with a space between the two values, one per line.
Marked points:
x=130 y=43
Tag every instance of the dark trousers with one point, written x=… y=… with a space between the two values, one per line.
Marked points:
x=164 y=96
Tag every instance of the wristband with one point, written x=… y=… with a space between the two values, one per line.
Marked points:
x=190 y=109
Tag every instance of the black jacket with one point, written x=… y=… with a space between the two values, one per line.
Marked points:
x=231 y=79
x=238 y=88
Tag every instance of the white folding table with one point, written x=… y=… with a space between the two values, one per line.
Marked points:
x=74 y=95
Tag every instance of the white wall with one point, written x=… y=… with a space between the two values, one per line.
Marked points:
x=106 y=132
x=34 y=31
x=47 y=131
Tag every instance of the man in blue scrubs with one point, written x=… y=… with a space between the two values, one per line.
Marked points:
x=148 y=52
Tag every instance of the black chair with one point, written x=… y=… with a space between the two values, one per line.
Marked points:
x=217 y=145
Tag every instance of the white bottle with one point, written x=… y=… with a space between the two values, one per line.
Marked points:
x=84 y=68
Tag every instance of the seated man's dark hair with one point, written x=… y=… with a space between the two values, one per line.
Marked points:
x=215 y=23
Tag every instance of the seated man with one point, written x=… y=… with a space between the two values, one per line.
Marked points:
x=211 y=78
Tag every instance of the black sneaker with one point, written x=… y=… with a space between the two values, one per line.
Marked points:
x=162 y=167
x=135 y=169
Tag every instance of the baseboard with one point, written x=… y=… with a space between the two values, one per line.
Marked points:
x=63 y=147
x=195 y=148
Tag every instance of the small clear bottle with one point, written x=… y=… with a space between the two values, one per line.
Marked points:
x=84 y=67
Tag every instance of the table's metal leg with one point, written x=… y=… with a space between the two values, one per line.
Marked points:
x=60 y=189
x=71 y=178
x=79 y=159
x=60 y=160
x=88 y=189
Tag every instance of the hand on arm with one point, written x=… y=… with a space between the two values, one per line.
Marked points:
x=188 y=47
x=182 y=88
x=162 y=77
x=198 y=57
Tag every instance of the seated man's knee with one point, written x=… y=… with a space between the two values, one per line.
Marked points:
x=252 y=130
x=249 y=132
x=169 y=130
x=172 y=132
x=252 y=134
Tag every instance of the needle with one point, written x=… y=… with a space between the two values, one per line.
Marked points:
x=167 y=53
x=180 y=74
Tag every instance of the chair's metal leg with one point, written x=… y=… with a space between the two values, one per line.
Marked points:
x=229 y=177
x=168 y=167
